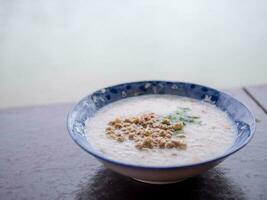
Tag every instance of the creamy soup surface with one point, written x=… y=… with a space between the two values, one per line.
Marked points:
x=205 y=140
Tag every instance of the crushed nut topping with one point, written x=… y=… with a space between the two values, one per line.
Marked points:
x=148 y=131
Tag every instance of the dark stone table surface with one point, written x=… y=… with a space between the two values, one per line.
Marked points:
x=39 y=160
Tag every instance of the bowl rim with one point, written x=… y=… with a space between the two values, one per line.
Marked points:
x=104 y=158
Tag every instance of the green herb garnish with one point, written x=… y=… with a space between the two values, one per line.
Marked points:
x=178 y=132
x=181 y=115
x=179 y=119
x=184 y=117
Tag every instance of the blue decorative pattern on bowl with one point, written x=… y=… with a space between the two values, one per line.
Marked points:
x=90 y=104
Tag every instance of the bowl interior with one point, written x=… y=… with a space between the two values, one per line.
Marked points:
x=89 y=105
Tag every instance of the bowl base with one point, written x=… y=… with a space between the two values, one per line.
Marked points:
x=159 y=182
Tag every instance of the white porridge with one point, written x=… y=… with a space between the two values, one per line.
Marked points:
x=160 y=130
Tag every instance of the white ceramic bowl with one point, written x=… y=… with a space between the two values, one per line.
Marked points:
x=89 y=105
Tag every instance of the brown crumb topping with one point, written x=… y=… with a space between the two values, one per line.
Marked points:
x=147 y=131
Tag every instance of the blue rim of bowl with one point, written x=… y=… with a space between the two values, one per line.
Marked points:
x=101 y=156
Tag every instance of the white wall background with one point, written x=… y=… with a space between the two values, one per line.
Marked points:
x=58 y=50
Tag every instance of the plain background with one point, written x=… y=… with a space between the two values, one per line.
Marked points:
x=58 y=51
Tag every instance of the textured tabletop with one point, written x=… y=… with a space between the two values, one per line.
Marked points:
x=39 y=160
